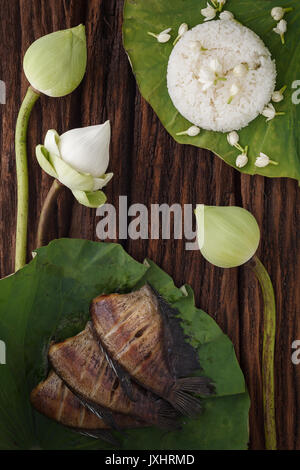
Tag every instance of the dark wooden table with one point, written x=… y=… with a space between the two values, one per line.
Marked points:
x=149 y=168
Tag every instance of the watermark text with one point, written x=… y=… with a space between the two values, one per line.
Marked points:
x=160 y=221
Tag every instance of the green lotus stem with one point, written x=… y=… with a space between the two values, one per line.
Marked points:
x=47 y=211
x=22 y=176
x=268 y=352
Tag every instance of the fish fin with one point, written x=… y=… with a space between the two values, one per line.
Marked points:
x=182 y=357
x=199 y=385
x=186 y=404
x=99 y=434
x=123 y=376
x=167 y=417
x=99 y=411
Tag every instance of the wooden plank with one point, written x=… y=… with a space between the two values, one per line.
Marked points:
x=150 y=168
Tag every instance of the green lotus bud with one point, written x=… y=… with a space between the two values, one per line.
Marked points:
x=55 y=64
x=227 y=236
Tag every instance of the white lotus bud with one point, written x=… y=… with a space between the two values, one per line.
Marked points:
x=87 y=149
x=192 y=131
x=263 y=160
x=233 y=138
x=209 y=12
x=280 y=29
x=226 y=15
x=79 y=159
x=241 y=160
x=240 y=70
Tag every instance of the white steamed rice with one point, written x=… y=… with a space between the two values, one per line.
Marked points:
x=231 y=44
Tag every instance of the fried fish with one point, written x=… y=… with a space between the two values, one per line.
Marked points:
x=82 y=365
x=142 y=333
x=54 y=399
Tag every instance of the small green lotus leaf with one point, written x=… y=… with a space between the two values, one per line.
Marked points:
x=278 y=138
x=55 y=64
x=70 y=177
x=43 y=157
x=92 y=199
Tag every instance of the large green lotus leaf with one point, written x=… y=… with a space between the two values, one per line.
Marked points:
x=280 y=138
x=49 y=300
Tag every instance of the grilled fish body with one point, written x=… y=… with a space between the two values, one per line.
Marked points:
x=82 y=365
x=53 y=399
x=140 y=331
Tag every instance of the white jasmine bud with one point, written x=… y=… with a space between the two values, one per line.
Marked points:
x=226 y=15
x=280 y=29
x=218 y=4
x=241 y=160
x=196 y=46
x=278 y=13
x=278 y=95
x=234 y=90
x=216 y=66
x=192 y=131
x=162 y=37
x=263 y=160
x=269 y=112
x=240 y=70
x=206 y=78
x=183 y=28
x=209 y=12
x=233 y=138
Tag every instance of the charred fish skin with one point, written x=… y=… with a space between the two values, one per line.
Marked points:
x=143 y=333
x=82 y=365
x=53 y=399
x=132 y=333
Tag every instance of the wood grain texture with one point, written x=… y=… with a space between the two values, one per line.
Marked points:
x=150 y=167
